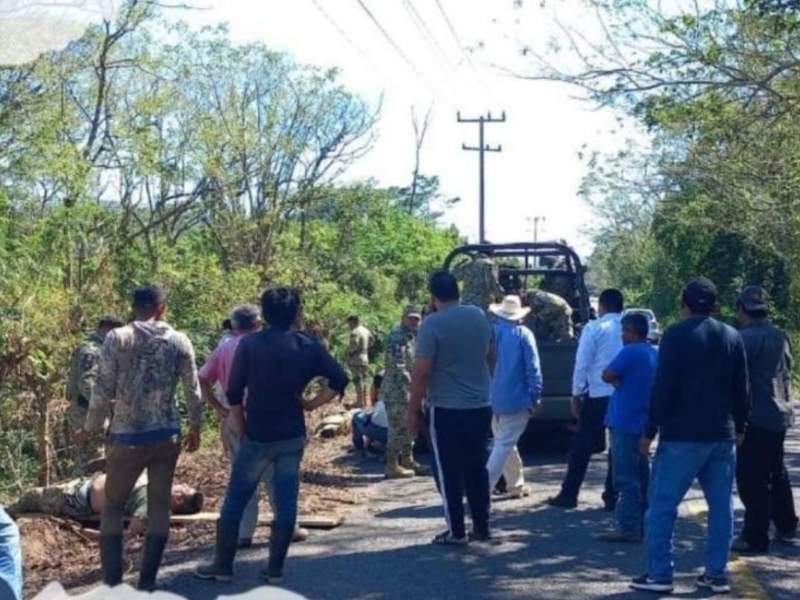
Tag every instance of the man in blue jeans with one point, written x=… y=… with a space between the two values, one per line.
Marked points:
x=699 y=409
x=274 y=367
x=632 y=373
x=10 y=559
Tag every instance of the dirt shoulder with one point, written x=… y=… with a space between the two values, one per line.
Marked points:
x=56 y=549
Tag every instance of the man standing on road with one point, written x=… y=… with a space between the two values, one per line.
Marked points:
x=632 y=372
x=761 y=474
x=82 y=377
x=245 y=319
x=599 y=344
x=358 y=358
x=699 y=408
x=400 y=344
x=139 y=370
x=452 y=370
x=273 y=367
x=516 y=392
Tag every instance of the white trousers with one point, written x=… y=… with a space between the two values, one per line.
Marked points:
x=505 y=459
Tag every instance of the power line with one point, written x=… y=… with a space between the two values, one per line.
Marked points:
x=343 y=33
x=396 y=46
x=461 y=46
x=427 y=34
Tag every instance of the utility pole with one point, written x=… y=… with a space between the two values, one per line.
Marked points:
x=536 y=220
x=481 y=149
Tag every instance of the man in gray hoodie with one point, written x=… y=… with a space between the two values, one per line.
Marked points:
x=139 y=369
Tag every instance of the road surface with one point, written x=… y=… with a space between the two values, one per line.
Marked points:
x=383 y=550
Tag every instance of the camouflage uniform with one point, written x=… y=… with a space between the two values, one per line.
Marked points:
x=71 y=500
x=395 y=389
x=82 y=377
x=358 y=361
x=550 y=318
x=479 y=282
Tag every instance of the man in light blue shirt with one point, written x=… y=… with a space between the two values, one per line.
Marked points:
x=516 y=390
x=599 y=344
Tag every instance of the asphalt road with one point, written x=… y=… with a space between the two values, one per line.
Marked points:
x=383 y=550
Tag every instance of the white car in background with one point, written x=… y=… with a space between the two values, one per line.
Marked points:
x=654 y=333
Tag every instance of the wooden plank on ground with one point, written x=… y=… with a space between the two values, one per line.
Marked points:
x=309 y=522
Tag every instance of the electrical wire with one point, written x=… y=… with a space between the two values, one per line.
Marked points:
x=461 y=46
x=356 y=46
x=396 y=46
x=428 y=35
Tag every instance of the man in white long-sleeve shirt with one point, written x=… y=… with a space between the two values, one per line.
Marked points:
x=600 y=342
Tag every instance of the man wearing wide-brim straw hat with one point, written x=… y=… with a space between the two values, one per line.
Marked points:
x=516 y=391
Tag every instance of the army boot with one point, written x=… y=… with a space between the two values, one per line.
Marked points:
x=407 y=462
x=394 y=470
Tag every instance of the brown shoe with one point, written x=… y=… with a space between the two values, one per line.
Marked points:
x=408 y=462
x=395 y=471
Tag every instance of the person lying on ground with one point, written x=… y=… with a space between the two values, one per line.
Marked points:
x=371 y=427
x=83 y=499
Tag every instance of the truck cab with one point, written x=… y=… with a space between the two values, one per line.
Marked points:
x=525 y=267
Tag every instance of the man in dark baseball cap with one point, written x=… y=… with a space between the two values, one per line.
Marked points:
x=753 y=299
x=699 y=407
x=761 y=475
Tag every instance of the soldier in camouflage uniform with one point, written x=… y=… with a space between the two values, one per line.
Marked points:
x=81 y=498
x=395 y=390
x=82 y=376
x=550 y=318
x=479 y=281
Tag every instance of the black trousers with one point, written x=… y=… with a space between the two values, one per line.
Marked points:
x=590 y=438
x=460 y=441
x=764 y=486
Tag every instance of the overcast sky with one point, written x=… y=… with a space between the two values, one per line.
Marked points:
x=539 y=171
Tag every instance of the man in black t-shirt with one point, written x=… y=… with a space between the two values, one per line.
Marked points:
x=273 y=367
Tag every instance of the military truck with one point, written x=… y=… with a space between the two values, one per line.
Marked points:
x=528 y=266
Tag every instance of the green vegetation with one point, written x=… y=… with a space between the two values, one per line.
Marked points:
x=715 y=86
x=145 y=152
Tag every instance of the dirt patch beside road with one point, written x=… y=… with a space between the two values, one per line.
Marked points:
x=57 y=549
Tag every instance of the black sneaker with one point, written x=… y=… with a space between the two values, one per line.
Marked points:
x=718 y=585
x=742 y=546
x=646 y=584
x=561 y=502
x=620 y=537
x=786 y=537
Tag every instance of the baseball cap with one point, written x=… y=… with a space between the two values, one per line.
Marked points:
x=412 y=311
x=753 y=298
x=700 y=294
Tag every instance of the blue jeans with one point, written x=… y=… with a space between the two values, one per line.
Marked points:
x=10 y=559
x=630 y=472
x=676 y=466
x=249 y=467
x=363 y=426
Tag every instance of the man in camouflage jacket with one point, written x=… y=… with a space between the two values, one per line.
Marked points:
x=400 y=461
x=81 y=382
x=479 y=282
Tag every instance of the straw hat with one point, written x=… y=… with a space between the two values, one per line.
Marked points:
x=510 y=309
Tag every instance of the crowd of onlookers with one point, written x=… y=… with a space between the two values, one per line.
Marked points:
x=717 y=400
